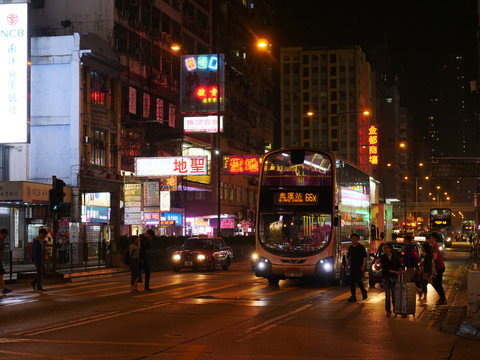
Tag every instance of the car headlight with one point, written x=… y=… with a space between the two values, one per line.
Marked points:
x=176 y=257
x=327 y=266
x=254 y=257
x=201 y=257
x=440 y=248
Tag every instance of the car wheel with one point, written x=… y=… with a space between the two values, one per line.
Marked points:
x=212 y=265
x=273 y=281
x=227 y=264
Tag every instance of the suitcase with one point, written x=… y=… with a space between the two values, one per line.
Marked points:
x=405 y=298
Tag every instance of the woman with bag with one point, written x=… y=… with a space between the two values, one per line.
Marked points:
x=391 y=268
x=428 y=269
x=134 y=252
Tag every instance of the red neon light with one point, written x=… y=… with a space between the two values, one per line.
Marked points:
x=242 y=165
x=201 y=93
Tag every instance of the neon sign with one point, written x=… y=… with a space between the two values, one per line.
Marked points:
x=204 y=124
x=202 y=84
x=241 y=165
x=373 y=145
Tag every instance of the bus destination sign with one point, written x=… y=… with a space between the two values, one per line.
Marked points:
x=295 y=198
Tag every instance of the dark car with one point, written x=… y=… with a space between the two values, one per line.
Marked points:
x=375 y=270
x=202 y=252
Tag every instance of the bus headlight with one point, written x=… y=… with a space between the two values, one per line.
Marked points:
x=327 y=267
x=201 y=257
x=176 y=257
x=324 y=266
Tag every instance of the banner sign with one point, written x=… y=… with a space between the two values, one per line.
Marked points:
x=202 y=124
x=14 y=70
x=164 y=166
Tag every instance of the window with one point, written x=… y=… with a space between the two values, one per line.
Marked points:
x=98 y=148
x=98 y=88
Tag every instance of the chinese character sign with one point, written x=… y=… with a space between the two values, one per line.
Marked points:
x=241 y=165
x=203 y=124
x=165 y=166
x=202 y=83
x=373 y=145
x=14 y=73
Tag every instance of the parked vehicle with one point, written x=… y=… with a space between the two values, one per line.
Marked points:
x=202 y=252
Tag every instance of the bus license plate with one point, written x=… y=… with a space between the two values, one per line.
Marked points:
x=293 y=274
x=188 y=263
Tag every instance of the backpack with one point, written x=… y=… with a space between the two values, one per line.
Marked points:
x=126 y=257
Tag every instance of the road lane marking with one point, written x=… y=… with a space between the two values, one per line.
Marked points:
x=311 y=293
x=90 y=320
x=343 y=296
x=203 y=291
x=139 y=295
x=169 y=290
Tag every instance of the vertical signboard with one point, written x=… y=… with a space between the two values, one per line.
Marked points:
x=14 y=87
x=202 y=84
x=133 y=203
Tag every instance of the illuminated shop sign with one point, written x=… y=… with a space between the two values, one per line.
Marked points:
x=151 y=218
x=241 y=165
x=95 y=214
x=165 y=166
x=199 y=83
x=167 y=223
x=227 y=223
x=202 y=124
x=373 y=145
x=295 y=198
x=14 y=73
x=176 y=217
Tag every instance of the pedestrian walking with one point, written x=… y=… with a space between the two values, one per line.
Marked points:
x=3 y=236
x=428 y=267
x=411 y=261
x=437 y=281
x=146 y=243
x=134 y=263
x=357 y=261
x=391 y=268
x=38 y=258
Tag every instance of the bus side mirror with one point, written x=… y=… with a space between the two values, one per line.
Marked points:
x=335 y=221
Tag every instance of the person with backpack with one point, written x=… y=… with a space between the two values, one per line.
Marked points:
x=134 y=260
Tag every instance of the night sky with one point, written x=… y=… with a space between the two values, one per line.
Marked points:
x=419 y=35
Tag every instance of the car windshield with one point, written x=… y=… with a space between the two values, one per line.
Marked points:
x=398 y=247
x=198 y=244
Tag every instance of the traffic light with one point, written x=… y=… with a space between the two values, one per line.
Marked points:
x=56 y=195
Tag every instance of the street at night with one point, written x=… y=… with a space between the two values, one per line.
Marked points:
x=222 y=315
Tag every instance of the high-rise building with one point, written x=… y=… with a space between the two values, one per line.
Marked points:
x=328 y=101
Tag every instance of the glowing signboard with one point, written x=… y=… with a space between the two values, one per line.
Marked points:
x=373 y=145
x=203 y=124
x=241 y=165
x=151 y=218
x=14 y=73
x=202 y=83
x=295 y=198
x=165 y=166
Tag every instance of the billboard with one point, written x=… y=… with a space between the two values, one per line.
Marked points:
x=202 y=83
x=165 y=166
x=202 y=124
x=14 y=87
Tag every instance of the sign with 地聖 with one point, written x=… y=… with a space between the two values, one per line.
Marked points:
x=175 y=165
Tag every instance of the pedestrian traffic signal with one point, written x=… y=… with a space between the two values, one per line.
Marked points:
x=56 y=195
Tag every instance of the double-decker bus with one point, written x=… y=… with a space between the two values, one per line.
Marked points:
x=441 y=220
x=309 y=203
x=468 y=230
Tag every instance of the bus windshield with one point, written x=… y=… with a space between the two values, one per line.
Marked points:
x=299 y=233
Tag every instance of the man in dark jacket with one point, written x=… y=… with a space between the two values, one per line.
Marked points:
x=37 y=258
x=390 y=270
x=146 y=244
x=357 y=260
